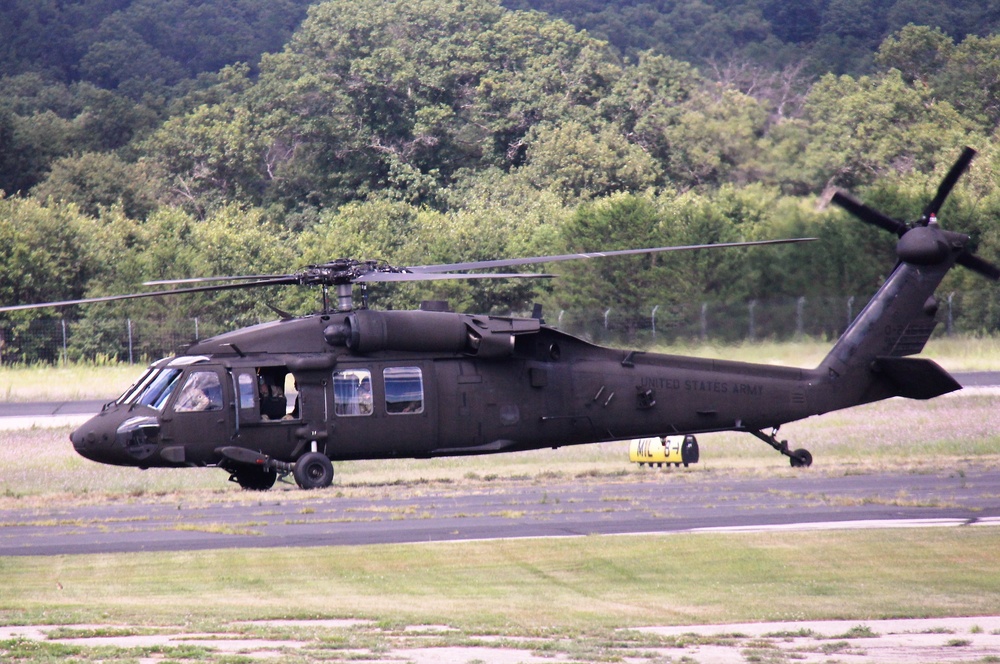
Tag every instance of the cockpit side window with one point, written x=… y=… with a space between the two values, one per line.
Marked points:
x=202 y=391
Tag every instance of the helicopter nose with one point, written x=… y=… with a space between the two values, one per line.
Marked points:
x=87 y=443
x=95 y=440
x=118 y=438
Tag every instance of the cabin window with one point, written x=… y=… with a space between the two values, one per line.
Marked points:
x=271 y=389
x=202 y=391
x=404 y=390
x=248 y=386
x=352 y=392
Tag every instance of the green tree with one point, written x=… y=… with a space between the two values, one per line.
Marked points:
x=403 y=96
x=714 y=138
x=629 y=285
x=41 y=260
x=96 y=180
x=211 y=156
x=172 y=244
x=854 y=131
x=971 y=81
x=919 y=53
x=577 y=162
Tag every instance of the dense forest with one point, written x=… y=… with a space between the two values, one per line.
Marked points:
x=159 y=139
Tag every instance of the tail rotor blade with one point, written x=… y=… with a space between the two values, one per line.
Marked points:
x=955 y=172
x=869 y=215
x=979 y=265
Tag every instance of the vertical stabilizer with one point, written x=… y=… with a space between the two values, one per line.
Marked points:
x=869 y=362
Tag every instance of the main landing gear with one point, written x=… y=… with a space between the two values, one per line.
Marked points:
x=800 y=458
x=255 y=471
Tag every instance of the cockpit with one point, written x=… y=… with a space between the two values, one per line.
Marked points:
x=161 y=379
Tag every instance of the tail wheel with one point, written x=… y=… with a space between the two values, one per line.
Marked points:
x=313 y=470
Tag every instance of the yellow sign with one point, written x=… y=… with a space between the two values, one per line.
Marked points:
x=667 y=449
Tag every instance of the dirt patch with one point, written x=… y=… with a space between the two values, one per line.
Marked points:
x=873 y=641
x=897 y=641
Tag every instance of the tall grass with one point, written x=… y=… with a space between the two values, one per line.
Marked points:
x=66 y=382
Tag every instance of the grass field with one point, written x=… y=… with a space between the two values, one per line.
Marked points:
x=523 y=587
x=531 y=600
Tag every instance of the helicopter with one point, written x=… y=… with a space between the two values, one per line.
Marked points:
x=373 y=384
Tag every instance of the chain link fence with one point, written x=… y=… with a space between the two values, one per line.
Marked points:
x=54 y=340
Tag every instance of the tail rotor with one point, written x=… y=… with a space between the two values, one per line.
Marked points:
x=923 y=242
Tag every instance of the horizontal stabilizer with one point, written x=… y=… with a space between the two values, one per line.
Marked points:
x=915 y=378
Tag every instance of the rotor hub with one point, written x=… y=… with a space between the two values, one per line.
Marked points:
x=929 y=245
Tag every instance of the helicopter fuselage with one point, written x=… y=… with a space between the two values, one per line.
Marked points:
x=413 y=384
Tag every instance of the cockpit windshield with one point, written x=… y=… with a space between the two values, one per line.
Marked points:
x=154 y=389
x=137 y=386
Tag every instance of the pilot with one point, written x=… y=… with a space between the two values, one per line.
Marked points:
x=365 y=404
x=272 y=396
x=202 y=391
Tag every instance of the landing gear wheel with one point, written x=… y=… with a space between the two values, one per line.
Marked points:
x=801 y=459
x=254 y=478
x=313 y=470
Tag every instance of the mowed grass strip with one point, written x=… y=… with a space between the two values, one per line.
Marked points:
x=569 y=585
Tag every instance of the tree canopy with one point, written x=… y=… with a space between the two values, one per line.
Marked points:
x=144 y=140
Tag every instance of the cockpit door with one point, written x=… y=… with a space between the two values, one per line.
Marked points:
x=199 y=414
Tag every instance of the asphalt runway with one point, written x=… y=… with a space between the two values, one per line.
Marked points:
x=663 y=501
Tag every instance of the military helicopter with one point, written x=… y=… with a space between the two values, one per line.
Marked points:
x=425 y=383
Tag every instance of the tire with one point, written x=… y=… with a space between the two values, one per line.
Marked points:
x=313 y=470
x=255 y=478
x=801 y=459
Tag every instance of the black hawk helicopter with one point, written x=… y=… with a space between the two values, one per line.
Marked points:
x=425 y=383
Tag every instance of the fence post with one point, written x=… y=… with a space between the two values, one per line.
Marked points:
x=653 y=317
x=753 y=327
x=65 y=351
x=850 y=310
x=799 y=315
x=704 y=322
x=129 y=326
x=951 y=319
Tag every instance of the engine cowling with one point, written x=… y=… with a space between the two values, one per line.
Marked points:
x=366 y=331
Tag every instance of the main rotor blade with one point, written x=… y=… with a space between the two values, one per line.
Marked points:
x=513 y=262
x=442 y=276
x=198 y=280
x=133 y=296
x=869 y=215
x=955 y=172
